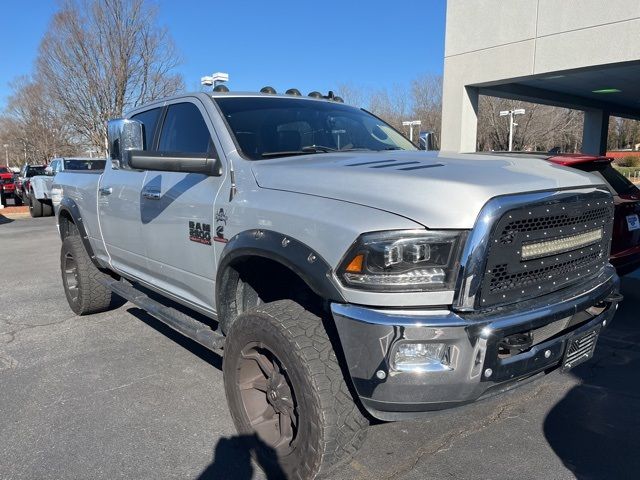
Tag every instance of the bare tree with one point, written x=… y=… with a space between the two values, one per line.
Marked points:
x=426 y=96
x=100 y=58
x=32 y=128
x=541 y=128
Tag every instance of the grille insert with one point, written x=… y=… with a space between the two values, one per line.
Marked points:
x=510 y=278
x=551 y=222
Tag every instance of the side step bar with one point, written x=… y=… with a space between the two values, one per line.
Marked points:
x=180 y=322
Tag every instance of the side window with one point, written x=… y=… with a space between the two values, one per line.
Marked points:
x=56 y=166
x=149 y=121
x=185 y=131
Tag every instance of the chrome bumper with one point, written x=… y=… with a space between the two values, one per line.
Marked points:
x=475 y=368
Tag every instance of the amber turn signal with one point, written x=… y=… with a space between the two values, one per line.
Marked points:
x=355 y=265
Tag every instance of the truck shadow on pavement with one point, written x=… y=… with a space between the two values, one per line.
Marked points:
x=4 y=220
x=198 y=350
x=595 y=428
x=232 y=458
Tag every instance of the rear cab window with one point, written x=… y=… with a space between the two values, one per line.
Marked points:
x=617 y=182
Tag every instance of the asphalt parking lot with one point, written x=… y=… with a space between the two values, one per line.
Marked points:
x=118 y=395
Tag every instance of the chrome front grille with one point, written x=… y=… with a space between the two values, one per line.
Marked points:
x=508 y=278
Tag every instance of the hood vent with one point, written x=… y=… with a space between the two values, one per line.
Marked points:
x=394 y=164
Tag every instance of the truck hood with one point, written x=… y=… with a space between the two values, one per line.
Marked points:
x=437 y=190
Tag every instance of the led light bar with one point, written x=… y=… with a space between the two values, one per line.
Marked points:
x=561 y=245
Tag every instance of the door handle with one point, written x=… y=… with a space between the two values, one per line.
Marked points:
x=105 y=191
x=151 y=194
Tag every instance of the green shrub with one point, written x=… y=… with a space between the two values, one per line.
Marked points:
x=629 y=171
x=628 y=161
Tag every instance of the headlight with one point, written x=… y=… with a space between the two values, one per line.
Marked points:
x=403 y=260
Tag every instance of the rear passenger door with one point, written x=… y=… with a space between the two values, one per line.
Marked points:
x=178 y=208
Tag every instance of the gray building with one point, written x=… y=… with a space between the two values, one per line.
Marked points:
x=581 y=54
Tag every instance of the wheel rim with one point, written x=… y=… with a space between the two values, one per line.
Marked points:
x=71 y=276
x=268 y=398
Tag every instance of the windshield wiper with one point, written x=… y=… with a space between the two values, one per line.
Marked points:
x=289 y=153
x=304 y=150
x=319 y=148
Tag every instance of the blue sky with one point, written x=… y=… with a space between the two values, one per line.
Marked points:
x=310 y=45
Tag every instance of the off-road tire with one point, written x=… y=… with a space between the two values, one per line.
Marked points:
x=35 y=207
x=3 y=200
x=330 y=426
x=92 y=296
x=17 y=200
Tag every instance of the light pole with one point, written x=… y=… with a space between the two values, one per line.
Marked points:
x=411 y=124
x=6 y=154
x=214 y=79
x=511 y=113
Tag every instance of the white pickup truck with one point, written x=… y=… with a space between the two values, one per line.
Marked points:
x=39 y=191
x=343 y=273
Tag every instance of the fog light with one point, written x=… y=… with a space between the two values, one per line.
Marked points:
x=421 y=357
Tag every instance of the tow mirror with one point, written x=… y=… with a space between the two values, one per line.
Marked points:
x=48 y=171
x=124 y=136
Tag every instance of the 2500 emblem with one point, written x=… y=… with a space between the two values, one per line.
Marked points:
x=200 y=232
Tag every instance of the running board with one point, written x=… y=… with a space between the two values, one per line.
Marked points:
x=180 y=322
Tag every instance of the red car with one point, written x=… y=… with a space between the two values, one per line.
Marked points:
x=7 y=186
x=625 y=248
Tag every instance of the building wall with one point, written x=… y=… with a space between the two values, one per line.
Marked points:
x=495 y=40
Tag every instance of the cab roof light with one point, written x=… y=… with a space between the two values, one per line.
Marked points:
x=269 y=90
x=293 y=91
x=221 y=88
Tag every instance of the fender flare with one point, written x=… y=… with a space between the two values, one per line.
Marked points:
x=70 y=207
x=288 y=251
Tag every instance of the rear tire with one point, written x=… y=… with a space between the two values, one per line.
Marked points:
x=35 y=207
x=17 y=200
x=3 y=200
x=301 y=417
x=47 y=208
x=80 y=276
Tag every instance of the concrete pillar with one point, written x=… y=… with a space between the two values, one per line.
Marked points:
x=595 y=132
x=459 y=118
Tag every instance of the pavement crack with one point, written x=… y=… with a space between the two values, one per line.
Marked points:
x=447 y=442
x=62 y=399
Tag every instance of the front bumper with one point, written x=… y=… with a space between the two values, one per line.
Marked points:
x=477 y=365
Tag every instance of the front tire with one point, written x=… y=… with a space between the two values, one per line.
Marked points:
x=80 y=278
x=284 y=384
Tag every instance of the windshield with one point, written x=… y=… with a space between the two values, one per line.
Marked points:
x=33 y=171
x=77 y=164
x=277 y=127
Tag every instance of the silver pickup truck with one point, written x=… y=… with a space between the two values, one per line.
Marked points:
x=343 y=273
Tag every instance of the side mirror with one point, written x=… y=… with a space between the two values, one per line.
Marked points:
x=124 y=135
x=48 y=171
